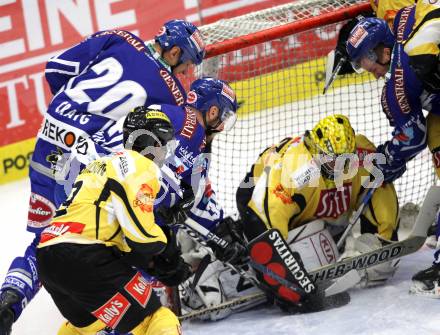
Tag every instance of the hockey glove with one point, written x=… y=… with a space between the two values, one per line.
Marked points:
x=169 y=267
x=178 y=213
x=231 y=231
x=391 y=170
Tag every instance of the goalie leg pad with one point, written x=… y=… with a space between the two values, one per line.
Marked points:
x=314 y=243
x=270 y=253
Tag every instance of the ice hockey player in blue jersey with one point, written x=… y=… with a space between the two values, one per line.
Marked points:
x=95 y=84
x=210 y=108
x=373 y=47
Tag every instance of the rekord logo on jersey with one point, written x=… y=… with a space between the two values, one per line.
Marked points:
x=60 y=133
x=357 y=36
x=41 y=211
x=139 y=288
x=113 y=310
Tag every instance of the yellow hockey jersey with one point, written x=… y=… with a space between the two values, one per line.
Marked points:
x=290 y=191
x=387 y=9
x=425 y=36
x=111 y=201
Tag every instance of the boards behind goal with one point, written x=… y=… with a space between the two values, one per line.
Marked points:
x=275 y=61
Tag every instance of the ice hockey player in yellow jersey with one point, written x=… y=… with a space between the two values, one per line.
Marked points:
x=306 y=187
x=299 y=188
x=422 y=45
x=387 y=9
x=88 y=257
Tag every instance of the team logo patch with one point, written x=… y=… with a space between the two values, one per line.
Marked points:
x=357 y=36
x=327 y=249
x=60 y=228
x=197 y=39
x=41 y=211
x=228 y=93
x=161 y=31
x=334 y=202
x=113 y=310
x=191 y=98
x=144 y=198
x=281 y=193
x=140 y=289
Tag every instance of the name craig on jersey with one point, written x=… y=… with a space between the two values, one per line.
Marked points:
x=65 y=109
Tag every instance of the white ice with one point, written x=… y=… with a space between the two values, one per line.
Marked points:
x=387 y=310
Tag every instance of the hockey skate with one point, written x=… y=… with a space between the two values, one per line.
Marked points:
x=426 y=282
x=7 y=299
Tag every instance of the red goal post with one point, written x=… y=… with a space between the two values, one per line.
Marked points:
x=275 y=61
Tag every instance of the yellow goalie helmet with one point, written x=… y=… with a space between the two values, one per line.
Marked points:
x=331 y=137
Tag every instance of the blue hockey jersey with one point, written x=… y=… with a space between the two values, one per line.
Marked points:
x=403 y=98
x=95 y=84
x=189 y=167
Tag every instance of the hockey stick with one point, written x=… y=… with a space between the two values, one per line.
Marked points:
x=198 y=232
x=356 y=215
x=234 y=302
x=397 y=249
x=393 y=250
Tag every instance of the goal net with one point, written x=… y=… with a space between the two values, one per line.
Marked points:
x=275 y=61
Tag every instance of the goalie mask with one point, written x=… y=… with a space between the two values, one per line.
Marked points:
x=331 y=142
x=368 y=34
x=149 y=132
x=207 y=92
x=186 y=36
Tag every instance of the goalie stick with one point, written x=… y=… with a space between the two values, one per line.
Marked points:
x=201 y=234
x=342 y=268
x=392 y=250
x=356 y=215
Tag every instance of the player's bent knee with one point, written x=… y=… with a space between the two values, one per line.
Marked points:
x=162 y=322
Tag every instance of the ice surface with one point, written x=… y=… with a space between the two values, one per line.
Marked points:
x=387 y=310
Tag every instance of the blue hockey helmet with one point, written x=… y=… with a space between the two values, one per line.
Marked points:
x=364 y=37
x=186 y=36
x=207 y=92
